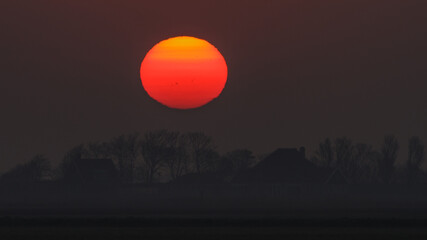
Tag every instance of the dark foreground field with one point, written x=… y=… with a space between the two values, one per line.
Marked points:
x=207 y=228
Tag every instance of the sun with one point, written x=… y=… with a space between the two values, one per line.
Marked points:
x=183 y=72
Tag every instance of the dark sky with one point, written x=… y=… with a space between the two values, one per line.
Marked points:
x=299 y=71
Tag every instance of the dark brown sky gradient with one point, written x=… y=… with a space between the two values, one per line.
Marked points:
x=299 y=71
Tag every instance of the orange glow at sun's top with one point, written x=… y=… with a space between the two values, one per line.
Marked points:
x=183 y=72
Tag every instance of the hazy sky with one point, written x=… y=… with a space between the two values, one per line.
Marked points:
x=299 y=71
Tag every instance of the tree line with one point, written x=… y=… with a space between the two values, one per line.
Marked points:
x=170 y=155
x=144 y=158
x=361 y=163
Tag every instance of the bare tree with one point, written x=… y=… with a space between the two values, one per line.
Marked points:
x=365 y=163
x=37 y=169
x=237 y=161
x=325 y=153
x=415 y=158
x=201 y=151
x=354 y=161
x=98 y=150
x=210 y=159
x=386 y=163
x=132 y=153
x=343 y=152
x=125 y=149
x=176 y=155
x=158 y=149
x=118 y=149
x=67 y=167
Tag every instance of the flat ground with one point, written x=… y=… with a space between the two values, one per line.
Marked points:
x=135 y=228
x=104 y=233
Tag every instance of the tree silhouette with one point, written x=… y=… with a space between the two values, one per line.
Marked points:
x=176 y=154
x=38 y=168
x=210 y=160
x=357 y=162
x=389 y=151
x=325 y=153
x=415 y=158
x=236 y=161
x=201 y=150
x=344 y=153
x=98 y=150
x=125 y=148
x=35 y=170
x=67 y=166
x=365 y=160
x=157 y=147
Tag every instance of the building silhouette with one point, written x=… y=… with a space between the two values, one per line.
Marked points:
x=288 y=165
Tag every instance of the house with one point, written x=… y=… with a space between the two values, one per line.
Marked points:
x=286 y=165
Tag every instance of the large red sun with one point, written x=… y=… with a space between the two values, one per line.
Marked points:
x=183 y=72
